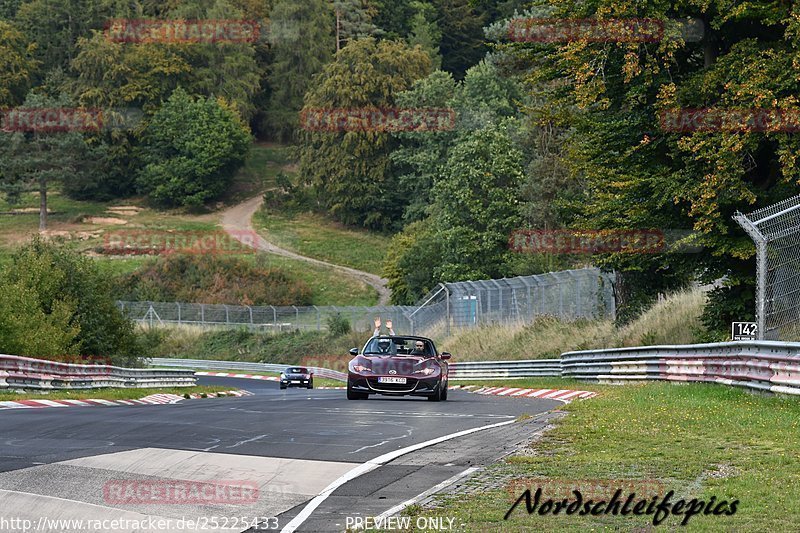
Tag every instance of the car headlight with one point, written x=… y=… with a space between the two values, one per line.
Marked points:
x=427 y=371
x=361 y=368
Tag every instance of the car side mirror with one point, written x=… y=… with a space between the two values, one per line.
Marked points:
x=353 y=351
x=446 y=355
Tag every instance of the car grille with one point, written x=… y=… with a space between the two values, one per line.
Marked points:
x=408 y=386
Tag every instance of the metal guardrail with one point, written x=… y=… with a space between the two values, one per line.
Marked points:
x=758 y=365
x=203 y=364
x=465 y=370
x=471 y=370
x=38 y=374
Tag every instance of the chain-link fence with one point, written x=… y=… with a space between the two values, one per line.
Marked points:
x=268 y=318
x=776 y=233
x=569 y=294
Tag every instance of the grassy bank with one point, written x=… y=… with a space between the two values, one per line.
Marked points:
x=107 y=394
x=313 y=235
x=243 y=345
x=699 y=440
x=84 y=226
x=676 y=320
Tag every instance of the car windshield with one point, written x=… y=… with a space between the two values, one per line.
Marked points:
x=398 y=346
x=296 y=370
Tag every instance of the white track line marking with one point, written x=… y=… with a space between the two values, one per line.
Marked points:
x=372 y=465
x=400 y=506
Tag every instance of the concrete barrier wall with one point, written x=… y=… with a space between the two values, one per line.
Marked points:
x=38 y=374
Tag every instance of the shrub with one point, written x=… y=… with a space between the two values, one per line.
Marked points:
x=65 y=306
x=212 y=279
x=191 y=149
x=338 y=326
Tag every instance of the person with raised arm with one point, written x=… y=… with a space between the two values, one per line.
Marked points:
x=378 y=327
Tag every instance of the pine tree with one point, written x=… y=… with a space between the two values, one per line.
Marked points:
x=425 y=32
x=302 y=47
x=354 y=20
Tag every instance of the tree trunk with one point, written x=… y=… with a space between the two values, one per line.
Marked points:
x=710 y=51
x=338 y=18
x=42 y=204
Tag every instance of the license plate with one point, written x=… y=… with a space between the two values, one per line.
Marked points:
x=295 y=381
x=400 y=381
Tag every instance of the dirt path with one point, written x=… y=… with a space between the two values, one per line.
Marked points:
x=239 y=218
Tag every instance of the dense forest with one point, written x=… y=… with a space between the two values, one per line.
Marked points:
x=546 y=133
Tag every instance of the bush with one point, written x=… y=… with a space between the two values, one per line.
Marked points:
x=338 y=326
x=191 y=150
x=212 y=279
x=55 y=304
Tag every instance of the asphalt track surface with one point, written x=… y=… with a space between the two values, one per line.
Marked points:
x=58 y=463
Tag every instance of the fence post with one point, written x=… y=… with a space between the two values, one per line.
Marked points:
x=761 y=270
x=318 y=317
x=227 y=316
x=447 y=307
x=274 y=315
x=251 y=314
x=203 y=314
x=179 y=312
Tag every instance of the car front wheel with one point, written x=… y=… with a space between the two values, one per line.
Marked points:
x=353 y=395
x=436 y=396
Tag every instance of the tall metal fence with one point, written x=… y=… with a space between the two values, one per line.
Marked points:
x=776 y=233
x=570 y=294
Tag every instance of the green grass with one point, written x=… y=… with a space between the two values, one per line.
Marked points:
x=295 y=348
x=328 y=286
x=313 y=235
x=107 y=394
x=676 y=320
x=263 y=164
x=533 y=383
x=696 y=439
x=63 y=213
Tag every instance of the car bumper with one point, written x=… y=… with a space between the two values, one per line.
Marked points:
x=296 y=382
x=427 y=386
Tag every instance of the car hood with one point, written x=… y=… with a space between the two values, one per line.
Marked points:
x=404 y=365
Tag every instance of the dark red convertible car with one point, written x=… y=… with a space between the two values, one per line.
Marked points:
x=396 y=365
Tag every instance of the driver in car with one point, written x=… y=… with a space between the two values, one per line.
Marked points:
x=385 y=346
x=419 y=349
